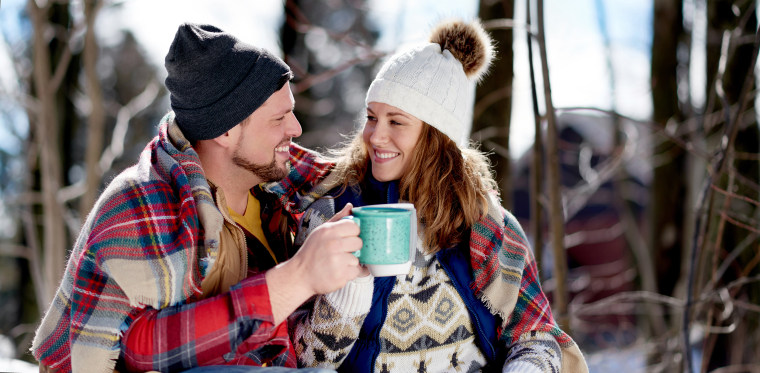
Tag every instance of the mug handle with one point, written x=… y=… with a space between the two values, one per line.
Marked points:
x=357 y=253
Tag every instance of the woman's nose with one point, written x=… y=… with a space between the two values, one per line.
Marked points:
x=379 y=134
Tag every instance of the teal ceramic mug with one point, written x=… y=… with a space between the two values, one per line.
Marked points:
x=388 y=234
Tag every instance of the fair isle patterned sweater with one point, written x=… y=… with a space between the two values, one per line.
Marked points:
x=427 y=327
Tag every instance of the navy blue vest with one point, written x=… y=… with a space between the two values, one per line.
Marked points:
x=455 y=261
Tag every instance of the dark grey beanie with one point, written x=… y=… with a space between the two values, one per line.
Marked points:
x=216 y=81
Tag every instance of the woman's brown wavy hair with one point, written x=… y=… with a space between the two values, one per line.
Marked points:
x=448 y=186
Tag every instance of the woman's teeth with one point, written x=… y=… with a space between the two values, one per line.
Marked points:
x=386 y=155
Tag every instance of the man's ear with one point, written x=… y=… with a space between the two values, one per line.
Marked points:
x=228 y=139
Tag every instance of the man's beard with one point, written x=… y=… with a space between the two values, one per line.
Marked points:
x=267 y=172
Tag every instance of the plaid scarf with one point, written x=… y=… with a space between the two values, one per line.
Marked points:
x=505 y=278
x=149 y=240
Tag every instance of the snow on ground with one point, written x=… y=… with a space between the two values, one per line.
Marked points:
x=18 y=366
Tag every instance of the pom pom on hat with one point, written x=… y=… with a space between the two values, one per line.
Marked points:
x=468 y=43
x=434 y=81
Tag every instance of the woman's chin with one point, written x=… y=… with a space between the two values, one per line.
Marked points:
x=384 y=178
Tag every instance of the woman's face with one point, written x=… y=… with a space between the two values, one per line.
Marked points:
x=390 y=135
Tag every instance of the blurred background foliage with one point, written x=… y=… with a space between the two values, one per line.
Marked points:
x=645 y=226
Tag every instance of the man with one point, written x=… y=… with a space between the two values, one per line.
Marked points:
x=186 y=258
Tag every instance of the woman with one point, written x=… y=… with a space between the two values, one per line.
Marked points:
x=471 y=300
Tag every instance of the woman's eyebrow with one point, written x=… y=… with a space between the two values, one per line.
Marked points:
x=395 y=113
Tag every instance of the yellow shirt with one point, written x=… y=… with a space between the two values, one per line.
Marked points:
x=251 y=221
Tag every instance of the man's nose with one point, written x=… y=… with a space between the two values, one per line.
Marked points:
x=294 y=127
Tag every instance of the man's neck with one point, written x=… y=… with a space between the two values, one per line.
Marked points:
x=234 y=182
x=236 y=185
x=237 y=200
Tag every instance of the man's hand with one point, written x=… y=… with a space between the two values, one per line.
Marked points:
x=325 y=259
x=323 y=264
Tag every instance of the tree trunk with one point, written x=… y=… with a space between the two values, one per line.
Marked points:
x=493 y=98
x=666 y=208
x=666 y=215
x=46 y=134
x=96 y=119
x=537 y=164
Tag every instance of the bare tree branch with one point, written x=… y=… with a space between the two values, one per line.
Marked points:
x=312 y=80
x=557 y=217
x=14 y=251
x=116 y=148
x=139 y=103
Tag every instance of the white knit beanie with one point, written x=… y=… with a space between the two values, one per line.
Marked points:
x=435 y=81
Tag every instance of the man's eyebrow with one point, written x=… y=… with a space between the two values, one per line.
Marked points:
x=284 y=112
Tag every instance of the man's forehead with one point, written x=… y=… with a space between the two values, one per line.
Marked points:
x=282 y=100
x=277 y=107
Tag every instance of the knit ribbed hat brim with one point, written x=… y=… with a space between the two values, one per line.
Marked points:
x=429 y=84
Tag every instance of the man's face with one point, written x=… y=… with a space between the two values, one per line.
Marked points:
x=264 y=142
